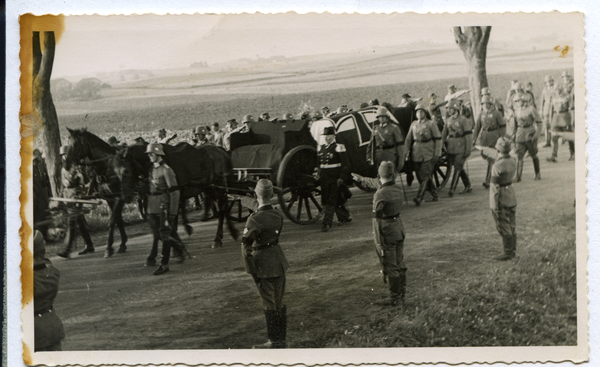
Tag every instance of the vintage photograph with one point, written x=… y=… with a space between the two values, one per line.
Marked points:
x=343 y=188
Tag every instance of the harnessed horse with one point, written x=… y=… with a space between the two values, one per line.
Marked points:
x=113 y=181
x=198 y=170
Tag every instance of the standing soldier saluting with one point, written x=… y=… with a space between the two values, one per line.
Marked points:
x=333 y=170
x=163 y=206
x=425 y=142
x=489 y=127
x=458 y=136
x=388 y=230
x=265 y=261
x=503 y=201
x=387 y=141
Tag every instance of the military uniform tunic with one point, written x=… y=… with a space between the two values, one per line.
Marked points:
x=490 y=126
x=503 y=201
x=455 y=130
x=333 y=165
x=387 y=137
x=526 y=118
x=263 y=256
x=427 y=140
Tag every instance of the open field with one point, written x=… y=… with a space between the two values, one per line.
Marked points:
x=457 y=296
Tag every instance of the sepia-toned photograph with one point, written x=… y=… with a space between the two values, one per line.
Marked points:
x=343 y=188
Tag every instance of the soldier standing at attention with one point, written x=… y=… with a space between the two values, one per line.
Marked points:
x=547 y=94
x=503 y=200
x=72 y=182
x=163 y=206
x=562 y=107
x=425 y=142
x=489 y=127
x=333 y=170
x=458 y=137
x=387 y=142
x=495 y=102
x=528 y=128
x=265 y=261
x=388 y=230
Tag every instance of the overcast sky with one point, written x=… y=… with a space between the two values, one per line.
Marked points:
x=108 y=43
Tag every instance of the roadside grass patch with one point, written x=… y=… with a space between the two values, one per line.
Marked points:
x=530 y=301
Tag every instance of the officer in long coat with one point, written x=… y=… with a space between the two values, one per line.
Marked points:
x=334 y=172
x=489 y=127
x=547 y=94
x=387 y=141
x=528 y=126
x=503 y=201
x=388 y=230
x=458 y=137
x=163 y=206
x=265 y=261
x=72 y=182
x=425 y=142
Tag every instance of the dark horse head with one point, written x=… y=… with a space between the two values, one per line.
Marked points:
x=89 y=150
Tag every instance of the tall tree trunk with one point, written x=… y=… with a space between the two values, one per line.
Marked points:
x=473 y=43
x=48 y=136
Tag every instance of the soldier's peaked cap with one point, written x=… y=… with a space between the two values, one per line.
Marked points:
x=263 y=187
x=329 y=130
x=386 y=169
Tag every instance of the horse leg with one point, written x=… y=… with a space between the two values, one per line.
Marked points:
x=118 y=213
x=208 y=204
x=230 y=226
x=111 y=229
x=218 y=242
x=186 y=224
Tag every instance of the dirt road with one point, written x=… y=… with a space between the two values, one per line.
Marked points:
x=209 y=302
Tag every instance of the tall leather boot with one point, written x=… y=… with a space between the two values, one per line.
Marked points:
x=454 y=183
x=395 y=297
x=507 y=242
x=402 y=285
x=328 y=213
x=519 y=170
x=488 y=176
x=536 y=168
x=466 y=181
x=280 y=331
x=514 y=244
x=421 y=192
x=271 y=317
x=69 y=241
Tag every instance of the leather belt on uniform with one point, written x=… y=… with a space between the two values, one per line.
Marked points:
x=505 y=184
x=525 y=126
x=386 y=147
x=423 y=140
x=389 y=216
x=488 y=129
x=333 y=165
x=263 y=247
x=456 y=135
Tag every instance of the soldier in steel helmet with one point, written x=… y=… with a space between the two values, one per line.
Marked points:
x=425 y=142
x=287 y=118
x=73 y=186
x=503 y=201
x=547 y=95
x=458 y=137
x=334 y=172
x=495 y=102
x=246 y=121
x=387 y=141
x=201 y=133
x=265 y=261
x=528 y=126
x=163 y=207
x=489 y=127
x=388 y=229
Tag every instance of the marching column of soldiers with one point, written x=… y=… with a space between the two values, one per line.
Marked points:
x=497 y=131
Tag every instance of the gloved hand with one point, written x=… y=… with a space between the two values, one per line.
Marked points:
x=340 y=182
x=435 y=159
